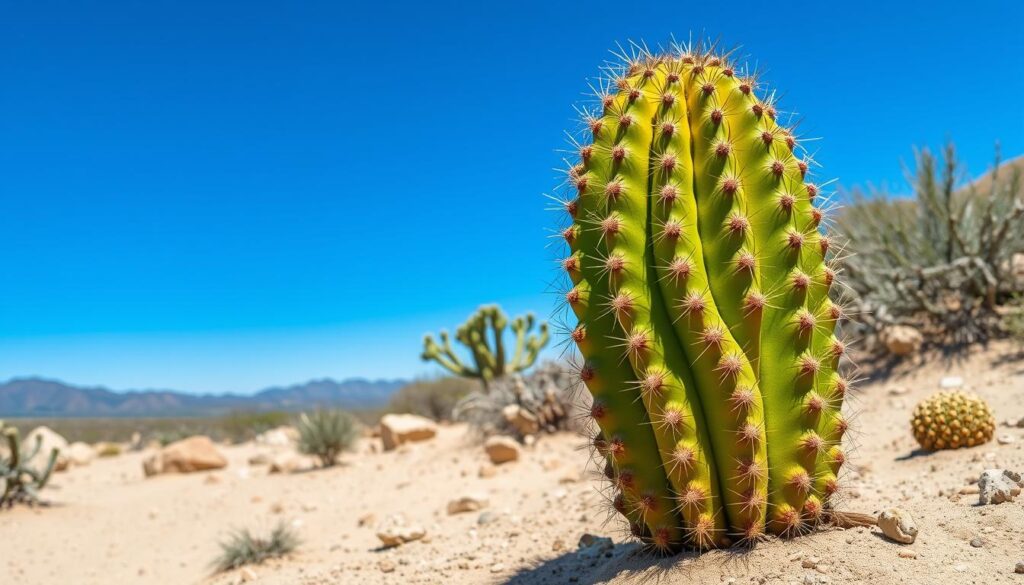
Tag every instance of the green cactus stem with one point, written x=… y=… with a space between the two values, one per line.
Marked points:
x=483 y=334
x=700 y=278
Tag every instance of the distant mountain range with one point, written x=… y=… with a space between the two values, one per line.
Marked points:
x=36 y=397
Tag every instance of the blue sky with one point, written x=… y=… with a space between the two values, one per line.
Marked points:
x=212 y=196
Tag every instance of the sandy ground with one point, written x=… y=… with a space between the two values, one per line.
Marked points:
x=110 y=525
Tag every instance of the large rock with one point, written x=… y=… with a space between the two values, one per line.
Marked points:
x=901 y=340
x=80 y=454
x=396 y=429
x=185 y=456
x=51 y=440
x=501 y=449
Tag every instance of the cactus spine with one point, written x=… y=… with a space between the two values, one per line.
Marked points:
x=483 y=328
x=701 y=279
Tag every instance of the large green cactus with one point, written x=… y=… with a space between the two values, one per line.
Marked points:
x=484 y=328
x=19 y=481
x=700 y=278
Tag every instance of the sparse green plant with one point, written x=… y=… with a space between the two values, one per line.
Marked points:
x=484 y=336
x=326 y=434
x=20 y=482
x=107 y=449
x=242 y=548
x=942 y=261
x=432 y=398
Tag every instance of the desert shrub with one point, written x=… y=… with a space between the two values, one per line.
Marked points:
x=942 y=261
x=542 y=401
x=326 y=433
x=242 y=548
x=108 y=449
x=432 y=398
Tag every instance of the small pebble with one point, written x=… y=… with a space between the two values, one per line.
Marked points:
x=977 y=543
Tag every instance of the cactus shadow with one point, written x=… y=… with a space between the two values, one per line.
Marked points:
x=913 y=455
x=628 y=563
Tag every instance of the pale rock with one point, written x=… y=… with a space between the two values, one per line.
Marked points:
x=897 y=525
x=80 y=454
x=951 y=382
x=196 y=453
x=487 y=470
x=901 y=340
x=283 y=436
x=396 y=429
x=502 y=449
x=486 y=518
x=999 y=485
x=467 y=503
x=291 y=463
x=1006 y=439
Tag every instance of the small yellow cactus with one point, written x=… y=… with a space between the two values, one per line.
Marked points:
x=950 y=420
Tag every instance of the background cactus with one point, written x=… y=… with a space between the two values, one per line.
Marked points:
x=700 y=277
x=950 y=420
x=21 y=483
x=483 y=334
